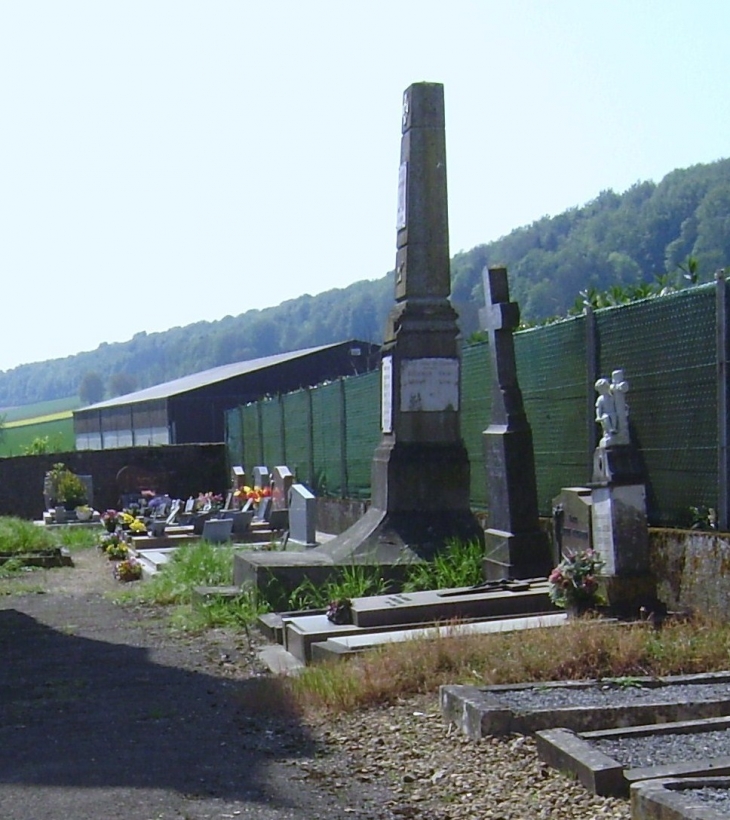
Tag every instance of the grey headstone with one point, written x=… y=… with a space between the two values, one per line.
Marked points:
x=302 y=515
x=261 y=477
x=282 y=482
x=217 y=530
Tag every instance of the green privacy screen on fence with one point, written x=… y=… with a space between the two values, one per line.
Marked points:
x=666 y=347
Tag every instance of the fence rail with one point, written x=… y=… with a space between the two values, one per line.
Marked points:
x=673 y=349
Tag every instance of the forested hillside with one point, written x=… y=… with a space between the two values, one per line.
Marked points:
x=616 y=239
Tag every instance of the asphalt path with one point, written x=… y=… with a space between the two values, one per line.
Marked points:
x=104 y=714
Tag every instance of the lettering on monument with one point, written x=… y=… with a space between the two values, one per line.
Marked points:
x=402 y=187
x=429 y=385
x=603 y=529
x=386 y=394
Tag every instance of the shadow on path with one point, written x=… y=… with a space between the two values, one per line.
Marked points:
x=83 y=713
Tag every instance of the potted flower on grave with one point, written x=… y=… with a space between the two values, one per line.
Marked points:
x=138 y=527
x=128 y=570
x=66 y=488
x=573 y=584
x=339 y=611
x=84 y=512
x=117 y=551
x=109 y=520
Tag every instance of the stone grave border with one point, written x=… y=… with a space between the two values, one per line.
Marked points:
x=670 y=799
x=479 y=712
x=575 y=754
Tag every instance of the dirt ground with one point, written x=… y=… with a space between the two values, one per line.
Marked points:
x=104 y=713
x=107 y=714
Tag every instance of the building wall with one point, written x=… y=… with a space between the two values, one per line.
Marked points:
x=181 y=471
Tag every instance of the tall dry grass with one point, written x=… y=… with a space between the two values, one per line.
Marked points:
x=580 y=649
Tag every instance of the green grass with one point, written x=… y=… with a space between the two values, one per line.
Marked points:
x=18 y=536
x=40 y=408
x=354 y=581
x=59 y=432
x=199 y=564
x=459 y=565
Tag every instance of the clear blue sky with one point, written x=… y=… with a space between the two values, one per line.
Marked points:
x=167 y=161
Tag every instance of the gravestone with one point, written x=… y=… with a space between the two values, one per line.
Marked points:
x=261 y=478
x=281 y=484
x=618 y=496
x=572 y=522
x=515 y=545
x=302 y=516
x=238 y=477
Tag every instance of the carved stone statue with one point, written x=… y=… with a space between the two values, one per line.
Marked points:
x=612 y=411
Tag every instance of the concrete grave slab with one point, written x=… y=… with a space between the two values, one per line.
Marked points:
x=300 y=633
x=344 y=646
x=608 y=762
x=584 y=705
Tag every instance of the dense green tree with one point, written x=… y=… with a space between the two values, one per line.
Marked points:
x=122 y=383
x=91 y=388
x=616 y=245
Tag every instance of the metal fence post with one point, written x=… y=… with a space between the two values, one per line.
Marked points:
x=591 y=378
x=723 y=402
x=343 y=441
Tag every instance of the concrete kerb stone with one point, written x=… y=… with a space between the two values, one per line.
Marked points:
x=575 y=754
x=568 y=752
x=673 y=799
x=478 y=711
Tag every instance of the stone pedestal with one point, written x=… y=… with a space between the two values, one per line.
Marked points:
x=620 y=529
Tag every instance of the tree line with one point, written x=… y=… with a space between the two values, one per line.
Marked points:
x=614 y=241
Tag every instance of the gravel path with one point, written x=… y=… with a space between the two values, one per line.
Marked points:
x=105 y=713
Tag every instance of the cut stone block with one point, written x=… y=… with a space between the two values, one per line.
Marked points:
x=203 y=595
x=702 y=798
x=584 y=705
x=582 y=756
x=510 y=598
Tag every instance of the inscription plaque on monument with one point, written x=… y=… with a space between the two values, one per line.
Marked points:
x=386 y=389
x=430 y=385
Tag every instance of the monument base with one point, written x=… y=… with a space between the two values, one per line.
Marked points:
x=629 y=596
x=388 y=541
x=511 y=556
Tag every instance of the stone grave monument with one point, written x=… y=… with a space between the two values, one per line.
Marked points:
x=618 y=503
x=278 y=514
x=261 y=477
x=302 y=516
x=516 y=547
x=420 y=469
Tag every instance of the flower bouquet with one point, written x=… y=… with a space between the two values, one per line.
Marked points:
x=109 y=519
x=573 y=583
x=128 y=570
x=138 y=527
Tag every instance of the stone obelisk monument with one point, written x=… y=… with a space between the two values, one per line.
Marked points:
x=420 y=469
x=420 y=472
x=515 y=545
